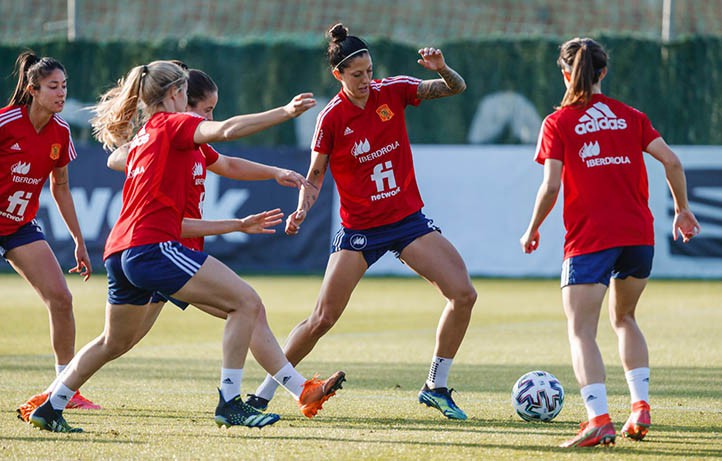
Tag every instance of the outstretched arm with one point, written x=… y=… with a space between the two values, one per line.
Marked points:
x=685 y=223
x=449 y=84
x=246 y=125
x=259 y=223
x=546 y=197
x=309 y=193
x=245 y=170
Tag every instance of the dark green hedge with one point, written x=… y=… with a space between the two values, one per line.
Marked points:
x=677 y=85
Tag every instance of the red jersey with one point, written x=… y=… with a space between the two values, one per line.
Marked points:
x=370 y=155
x=26 y=160
x=203 y=157
x=157 y=183
x=604 y=177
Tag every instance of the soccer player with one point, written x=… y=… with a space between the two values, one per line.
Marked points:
x=594 y=146
x=35 y=143
x=143 y=254
x=361 y=135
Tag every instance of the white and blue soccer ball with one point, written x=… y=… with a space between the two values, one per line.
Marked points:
x=537 y=396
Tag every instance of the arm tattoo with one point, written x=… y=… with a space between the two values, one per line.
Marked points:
x=449 y=84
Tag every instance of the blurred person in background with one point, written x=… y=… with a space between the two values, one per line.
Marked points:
x=361 y=136
x=594 y=146
x=143 y=254
x=35 y=144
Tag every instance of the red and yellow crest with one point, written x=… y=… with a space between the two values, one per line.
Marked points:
x=385 y=113
x=55 y=151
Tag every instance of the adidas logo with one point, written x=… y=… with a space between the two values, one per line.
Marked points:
x=599 y=117
x=361 y=147
x=591 y=397
x=589 y=150
x=285 y=380
x=347 y=131
x=15 y=146
x=228 y=381
x=63 y=396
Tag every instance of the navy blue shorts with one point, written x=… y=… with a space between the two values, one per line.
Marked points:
x=27 y=233
x=158 y=297
x=136 y=273
x=601 y=266
x=375 y=242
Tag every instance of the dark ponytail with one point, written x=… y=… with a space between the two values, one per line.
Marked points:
x=585 y=60
x=342 y=46
x=200 y=86
x=30 y=70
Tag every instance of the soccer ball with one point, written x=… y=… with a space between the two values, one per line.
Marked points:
x=537 y=396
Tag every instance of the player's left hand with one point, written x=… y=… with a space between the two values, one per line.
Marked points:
x=299 y=104
x=432 y=59
x=685 y=225
x=83 y=266
x=529 y=241
x=261 y=223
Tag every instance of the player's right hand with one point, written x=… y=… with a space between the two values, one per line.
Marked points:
x=294 y=220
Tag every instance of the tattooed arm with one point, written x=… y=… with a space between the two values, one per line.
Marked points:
x=309 y=193
x=449 y=84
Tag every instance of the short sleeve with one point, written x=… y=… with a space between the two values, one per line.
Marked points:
x=649 y=133
x=322 y=141
x=549 y=144
x=407 y=86
x=181 y=127
x=209 y=153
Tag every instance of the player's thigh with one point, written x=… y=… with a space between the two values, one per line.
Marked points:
x=433 y=257
x=37 y=264
x=624 y=295
x=217 y=286
x=344 y=270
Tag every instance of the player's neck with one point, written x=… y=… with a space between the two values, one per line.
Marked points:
x=39 y=116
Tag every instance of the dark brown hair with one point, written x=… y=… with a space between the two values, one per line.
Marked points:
x=30 y=70
x=342 y=45
x=585 y=60
x=200 y=86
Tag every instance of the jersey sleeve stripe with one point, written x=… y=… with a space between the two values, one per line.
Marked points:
x=71 y=147
x=331 y=104
x=9 y=117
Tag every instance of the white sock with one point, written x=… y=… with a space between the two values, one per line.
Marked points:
x=267 y=388
x=638 y=382
x=60 y=397
x=231 y=382
x=439 y=372
x=290 y=379
x=59 y=369
x=594 y=397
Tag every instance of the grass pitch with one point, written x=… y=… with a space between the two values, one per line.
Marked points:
x=159 y=398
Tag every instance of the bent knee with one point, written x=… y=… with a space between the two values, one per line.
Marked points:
x=321 y=323
x=465 y=299
x=622 y=321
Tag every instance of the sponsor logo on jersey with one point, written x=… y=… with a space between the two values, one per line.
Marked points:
x=140 y=138
x=589 y=153
x=15 y=146
x=589 y=149
x=198 y=171
x=19 y=173
x=597 y=118
x=347 y=131
x=133 y=172
x=361 y=147
x=17 y=203
x=358 y=241
x=20 y=168
x=385 y=113
x=55 y=151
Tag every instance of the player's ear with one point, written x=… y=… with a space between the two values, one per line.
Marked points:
x=337 y=74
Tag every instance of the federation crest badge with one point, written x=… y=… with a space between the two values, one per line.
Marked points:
x=55 y=151
x=384 y=113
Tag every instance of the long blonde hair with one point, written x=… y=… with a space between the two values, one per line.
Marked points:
x=123 y=108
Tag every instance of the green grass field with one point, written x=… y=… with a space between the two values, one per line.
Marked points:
x=159 y=398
